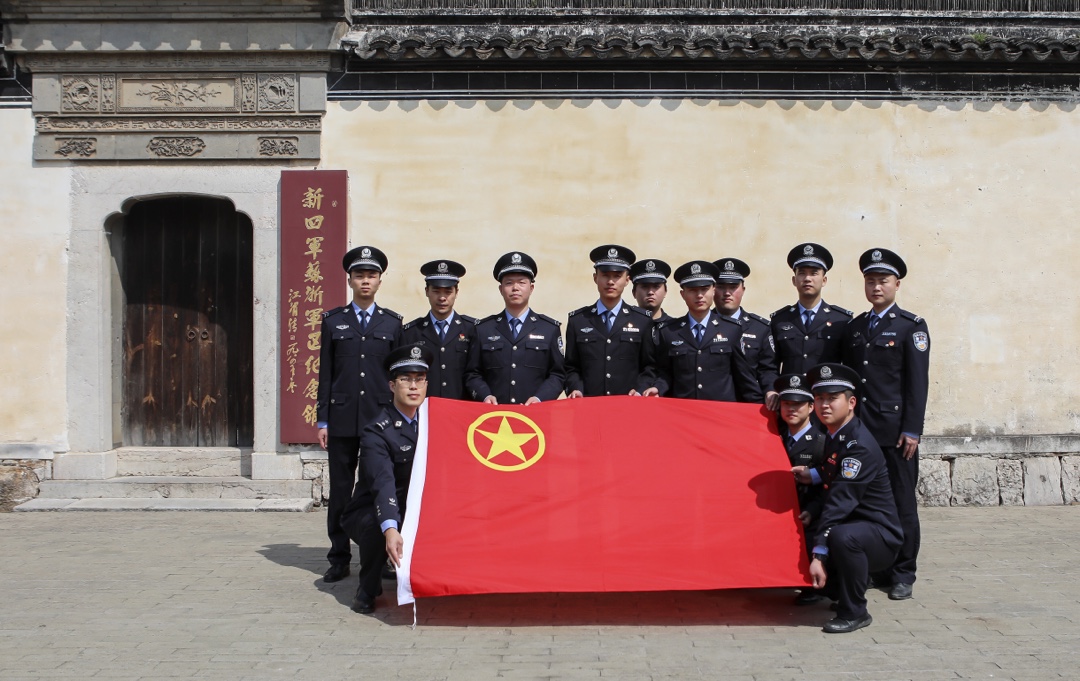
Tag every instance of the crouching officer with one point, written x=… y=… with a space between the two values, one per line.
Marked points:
x=858 y=531
x=387 y=450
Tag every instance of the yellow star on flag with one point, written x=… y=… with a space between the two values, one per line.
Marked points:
x=506 y=440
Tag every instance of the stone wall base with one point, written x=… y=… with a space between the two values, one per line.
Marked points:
x=19 y=480
x=1038 y=480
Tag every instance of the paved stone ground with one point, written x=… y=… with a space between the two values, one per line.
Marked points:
x=238 y=596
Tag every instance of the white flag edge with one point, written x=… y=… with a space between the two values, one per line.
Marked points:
x=413 y=502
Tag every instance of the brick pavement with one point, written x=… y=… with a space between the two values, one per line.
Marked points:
x=238 y=596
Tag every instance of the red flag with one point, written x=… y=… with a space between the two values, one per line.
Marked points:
x=599 y=494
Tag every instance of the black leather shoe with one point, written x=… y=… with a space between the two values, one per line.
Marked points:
x=809 y=597
x=363 y=604
x=900 y=592
x=842 y=626
x=336 y=573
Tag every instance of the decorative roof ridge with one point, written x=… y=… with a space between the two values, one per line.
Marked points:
x=702 y=42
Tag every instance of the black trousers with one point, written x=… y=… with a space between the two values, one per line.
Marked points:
x=855 y=550
x=361 y=526
x=903 y=477
x=343 y=454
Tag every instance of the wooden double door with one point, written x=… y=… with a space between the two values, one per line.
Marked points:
x=186 y=273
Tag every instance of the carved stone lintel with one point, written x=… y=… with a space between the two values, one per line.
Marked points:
x=189 y=62
x=115 y=124
x=174 y=147
x=278 y=146
x=86 y=147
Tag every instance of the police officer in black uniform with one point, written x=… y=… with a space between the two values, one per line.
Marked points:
x=858 y=530
x=890 y=349
x=449 y=335
x=387 y=451
x=519 y=357
x=810 y=331
x=804 y=440
x=605 y=341
x=697 y=356
x=649 y=279
x=356 y=339
x=756 y=341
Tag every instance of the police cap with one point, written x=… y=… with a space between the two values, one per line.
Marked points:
x=408 y=359
x=832 y=378
x=612 y=258
x=653 y=270
x=514 y=263
x=731 y=270
x=882 y=261
x=364 y=258
x=793 y=388
x=814 y=255
x=696 y=273
x=442 y=273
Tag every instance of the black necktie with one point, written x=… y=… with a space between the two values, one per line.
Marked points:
x=873 y=322
x=808 y=318
x=364 y=319
x=442 y=324
x=699 y=332
x=609 y=317
x=515 y=327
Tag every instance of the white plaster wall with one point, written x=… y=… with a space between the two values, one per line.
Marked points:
x=979 y=199
x=34 y=219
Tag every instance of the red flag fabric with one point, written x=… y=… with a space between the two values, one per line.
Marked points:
x=599 y=494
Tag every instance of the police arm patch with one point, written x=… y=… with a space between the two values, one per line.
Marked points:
x=922 y=341
x=850 y=467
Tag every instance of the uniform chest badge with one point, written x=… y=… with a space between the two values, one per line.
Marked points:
x=494 y=338
x=849 y=468
x=719 y=338
x=631 y=329
x=787 y=327
x=587 y=329
x=405 y=448
x=342 y=327
x=676 y=342
x=536 y=336
x=397 y=424
x=922 y=341
x=461 y=337
x=749 y=335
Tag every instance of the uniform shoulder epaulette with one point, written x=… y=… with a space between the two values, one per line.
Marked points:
x=842 y=310
x=548 y=319
x=758 y=318
x=381 y=424
x=490 y=318
x=334 y=311
x=729 y=320
x=910 y=315
x=469 y=320
x=640 y=310
x=391 y=312
x=579 y=310
x=412 y=323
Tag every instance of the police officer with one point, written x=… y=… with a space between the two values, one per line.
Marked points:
x=756 y=341
x=649 y=279
x=890 y=349
x=605 y=341
x=858 y=530
x=387 y=450
x=810 y=331
x=356 y=339
x=519 y=357
x=449 y=335
x=697 y=356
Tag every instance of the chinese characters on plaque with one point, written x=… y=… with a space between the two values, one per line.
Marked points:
x=313 y=239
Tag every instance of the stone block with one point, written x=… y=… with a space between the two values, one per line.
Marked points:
x=974 y=482
x=312 y=470
x=271 y=466
x=1011 y=482
x=935 y=485
x=184 y=461
x=1042 y=481
x=1070 y=479
x=85 y=466
x=18 y=484
x=325 y=485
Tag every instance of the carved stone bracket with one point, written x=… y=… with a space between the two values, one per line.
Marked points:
x=278 y=146
x=84 y=147
x=176 y=147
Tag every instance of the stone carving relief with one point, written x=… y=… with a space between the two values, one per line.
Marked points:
x=176 y=147
x=278 y=146
x=210 y=123
x=277 y=92
x=85 y=147
x=80 y=93
x=193 y=94
x=108 y=93
x=248 y=85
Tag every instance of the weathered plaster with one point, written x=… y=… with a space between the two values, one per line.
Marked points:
x=34 y=219
x=978 y=199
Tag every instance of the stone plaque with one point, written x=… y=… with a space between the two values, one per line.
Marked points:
x=204 y=95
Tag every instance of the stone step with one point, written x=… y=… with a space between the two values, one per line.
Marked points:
x=278 y=505
x=175 y=487
x=196 y=461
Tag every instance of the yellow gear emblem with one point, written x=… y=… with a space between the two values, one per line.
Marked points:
x=521 y=448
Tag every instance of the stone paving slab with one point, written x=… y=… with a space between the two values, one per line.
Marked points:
x=157 y=504
x=216 y=596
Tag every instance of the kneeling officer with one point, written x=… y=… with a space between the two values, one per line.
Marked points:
x=387 y=450
x=858 y=531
